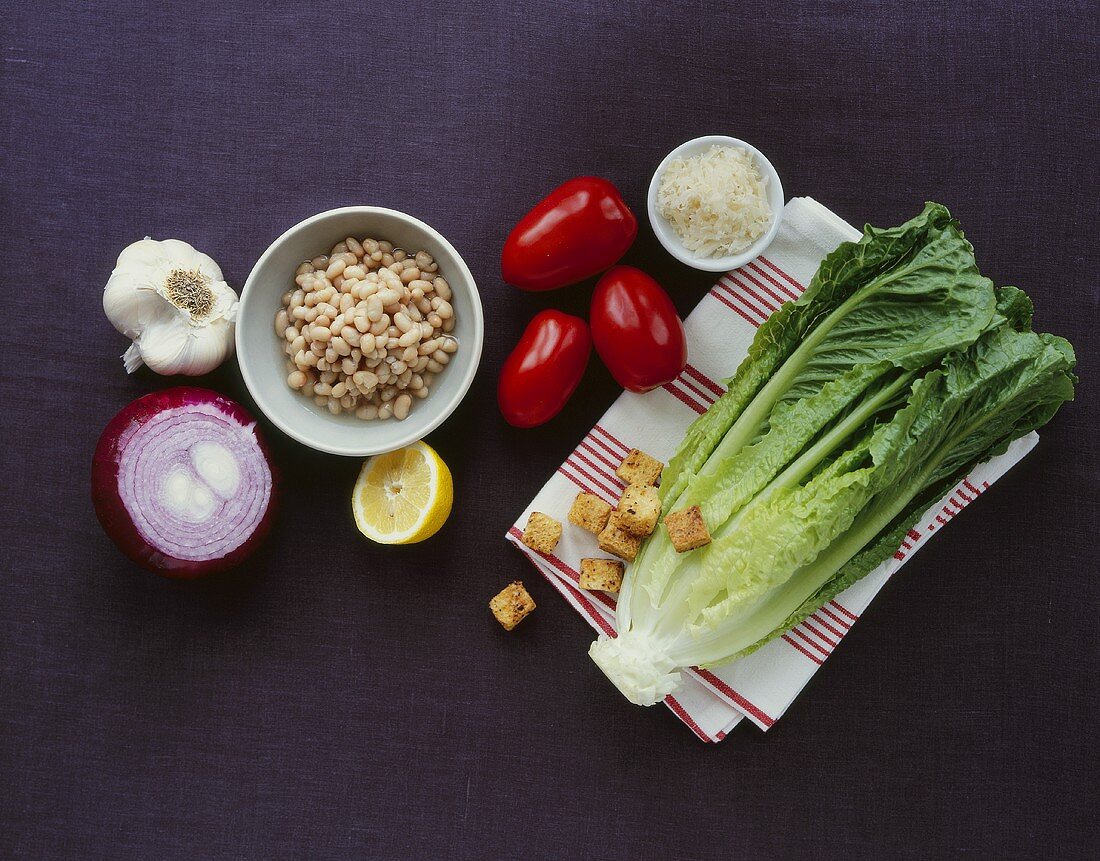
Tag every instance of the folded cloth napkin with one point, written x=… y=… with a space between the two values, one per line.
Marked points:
x=762 y=685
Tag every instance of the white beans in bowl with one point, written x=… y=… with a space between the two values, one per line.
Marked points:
x=367 y=328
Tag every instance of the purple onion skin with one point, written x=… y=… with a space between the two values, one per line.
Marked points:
x=112 y=513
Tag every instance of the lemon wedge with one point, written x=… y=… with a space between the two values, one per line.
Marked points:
x=404 y=496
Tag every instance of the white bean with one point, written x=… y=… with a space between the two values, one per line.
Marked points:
x=364 y=328
x=389 y=297
x=365 y=380
x=390 y=279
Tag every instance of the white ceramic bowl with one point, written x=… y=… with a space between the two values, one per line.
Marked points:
x=671 y=240
x=263 y=361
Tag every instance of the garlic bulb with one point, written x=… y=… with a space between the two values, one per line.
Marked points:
x=172 y=302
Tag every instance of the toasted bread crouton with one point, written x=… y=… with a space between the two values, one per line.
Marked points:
x=617 y=541
x=511 y=605
x=639 y=468
x=542 y=532
x=639 y=508
x=589 y=512
x=686 y=529
x=606 y=574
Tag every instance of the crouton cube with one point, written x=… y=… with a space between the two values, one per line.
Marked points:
x=511 y=605
x=639 y=508
x=589 y=512
x=686 y=529
x=639 y=468
x=606 y=574
x=542 y=532
x=617 y=541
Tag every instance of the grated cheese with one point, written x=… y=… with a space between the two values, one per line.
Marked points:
x=717 y=201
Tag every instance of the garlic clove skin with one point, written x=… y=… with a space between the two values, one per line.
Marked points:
x=172 y=301
x=169 y=348
x=130 y=308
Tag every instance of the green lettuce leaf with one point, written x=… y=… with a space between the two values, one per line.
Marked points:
x=859 y=406
x=1008 y=384
x=852 y=266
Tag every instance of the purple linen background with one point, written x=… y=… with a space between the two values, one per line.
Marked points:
x=359 y=701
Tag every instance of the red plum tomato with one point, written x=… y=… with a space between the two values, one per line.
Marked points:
x=578 y=230
x=544 y=369
x=636 y=330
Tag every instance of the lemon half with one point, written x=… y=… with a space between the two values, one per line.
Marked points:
x=404 y=496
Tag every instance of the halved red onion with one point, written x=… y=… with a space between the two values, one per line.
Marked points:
x=182 y=482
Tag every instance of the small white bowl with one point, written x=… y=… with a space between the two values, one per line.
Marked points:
x=263 y=360
x=670 y=239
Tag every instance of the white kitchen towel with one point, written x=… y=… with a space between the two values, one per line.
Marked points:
x=762 y=685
